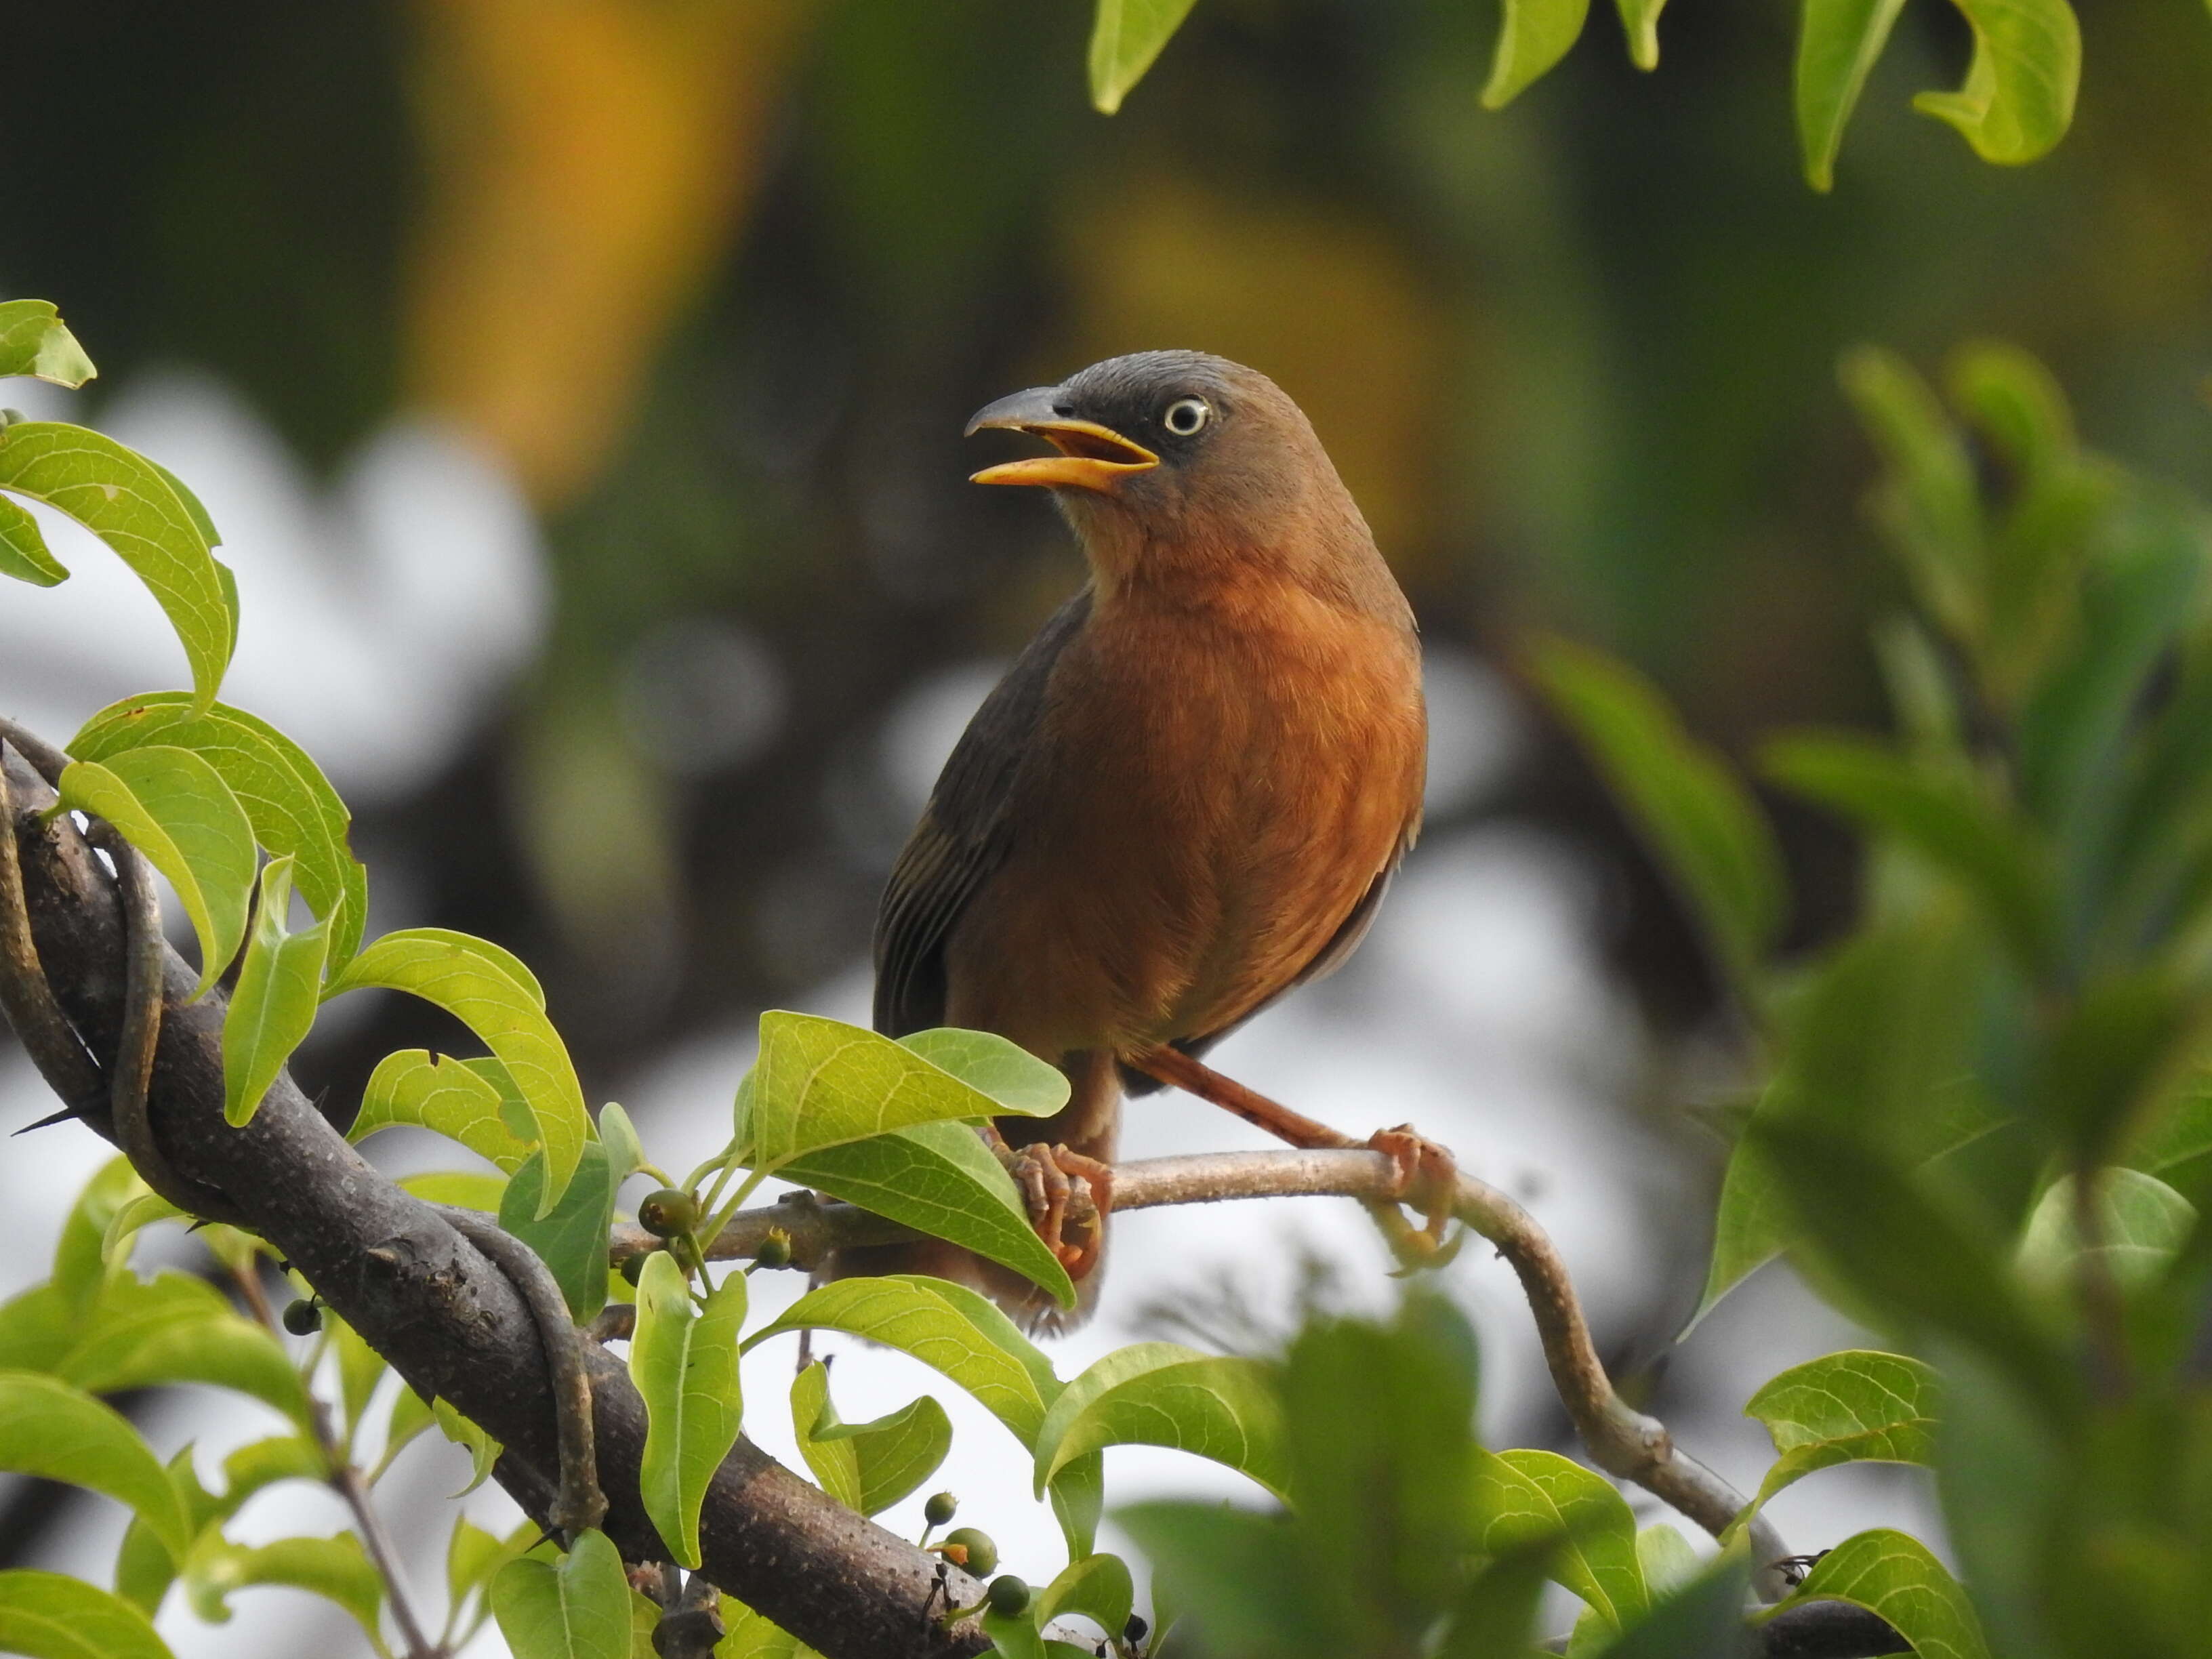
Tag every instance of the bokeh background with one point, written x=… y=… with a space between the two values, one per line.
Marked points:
x=579 y=383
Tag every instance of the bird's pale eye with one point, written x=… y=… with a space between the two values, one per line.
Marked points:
x=1186 y=416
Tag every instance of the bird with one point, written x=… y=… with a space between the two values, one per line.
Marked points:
x=1186 y=797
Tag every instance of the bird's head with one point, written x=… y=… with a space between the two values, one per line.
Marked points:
x=1179 y=454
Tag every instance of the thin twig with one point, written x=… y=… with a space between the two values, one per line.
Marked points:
x=345 y=1481
x=1622 y=1441
x=579 y=1504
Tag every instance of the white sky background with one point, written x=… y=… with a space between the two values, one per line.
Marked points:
x=383 y=621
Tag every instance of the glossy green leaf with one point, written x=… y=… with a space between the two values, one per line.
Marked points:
x=46 y=1615
x=1010 y=1074
x=625 y=1153
x=474 y=1555
x=1078 y=1499
x=577 y=1609
x=1858 y=1405
x=336 y=1569
x=941 y=1178
x=197 y=510
x=822 y=1083
x=478 y=985
x=1126 y=36
x=684 y=1360
x=2142 y=1223
x=144 y=1569
x=1705 y=830
x=1098 y=1587
x=286 y=798
x=48 y=1428
x=125 y=502
x=280 y=984
x=455 y=1099
x=749 y=1635
x=1533 y=37
x=1944 y=819
x=1528 y=1497
x=870 y=1466
x=134 y=1218
x=570 y=1237
x=2017 y=100
x=1161 y=1394
x=1751 y=1225
x=37 y=1328
x=923 y=1317
x=175 y=808
x=1893 y=1576
x=178 y=1328
x=1838 y=42
x=23 y=552
x=469 y=1189
x=360 y=1368
x=1012 y=1637
x=1234 y=1571
x=34 y=341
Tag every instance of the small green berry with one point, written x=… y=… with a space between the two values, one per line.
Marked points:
x=666 y=1212
x=302 y=1318
x=940 y=1509
x=775 y=1250
x=1008 y=1595
x=976 y=1552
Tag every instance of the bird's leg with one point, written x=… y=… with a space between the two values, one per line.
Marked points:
x=1060 y=1185
x=1425 y=1172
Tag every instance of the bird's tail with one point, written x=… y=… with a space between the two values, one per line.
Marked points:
x=1089 y=1125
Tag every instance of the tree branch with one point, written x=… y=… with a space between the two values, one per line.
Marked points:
x=444 y=1317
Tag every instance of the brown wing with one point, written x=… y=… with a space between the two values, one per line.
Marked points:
x=964 y=833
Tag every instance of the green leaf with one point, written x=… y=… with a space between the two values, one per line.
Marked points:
x=1013 y=1636
x=1838 y=42
x=1705 y=830
x=684 y=1361
x=1920 y=1266
x=81 y=1252
x=335 y=1569
x=1533 y=36
x=1161 y=1394
x=1944 y=819
x=1097 y=1587
x=577 y=1609
x=125 y=502
x=1895 y=1576
x=925 y=1318
x=455 y=1099
x=2182 y=1131
x=205 y=525
x=1009 y=1073
x=273 y=1007
x=176 y=808
x=469 y=1189
x=473 y=1555
x=465 y=1432
x=48 y=1428
x=1928 y=500
x=2112 y=1055
x=1525 y=1499
x=571 y=1237
x=1858 y=1405
x=144 y=1569
x=2144 y=1223
x=867 y=1467
x=477 y=983
x=1125 y=38
x=1235 y=1572
x=361 y=1368
x=1078 y=1498
x=2017 y=100
x=1705 y=1617
x=178 y=1328
x=821 y=1083
x=749 y=1635
x=46 y=1615
x=1752 y=1226
x=625 y=1153
x=23 y=552
x=941 y=1178
x=34 y=341
x=286 y=798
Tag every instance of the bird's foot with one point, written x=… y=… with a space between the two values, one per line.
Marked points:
x=1061 y=1187
x=1424 y=1174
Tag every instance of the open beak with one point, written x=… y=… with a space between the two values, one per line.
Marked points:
x=1092 y=456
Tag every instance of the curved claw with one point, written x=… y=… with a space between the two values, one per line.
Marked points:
x=1055 y=1180
x=1428 y=1171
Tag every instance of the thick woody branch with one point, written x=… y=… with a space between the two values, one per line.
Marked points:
x=448 y=1319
